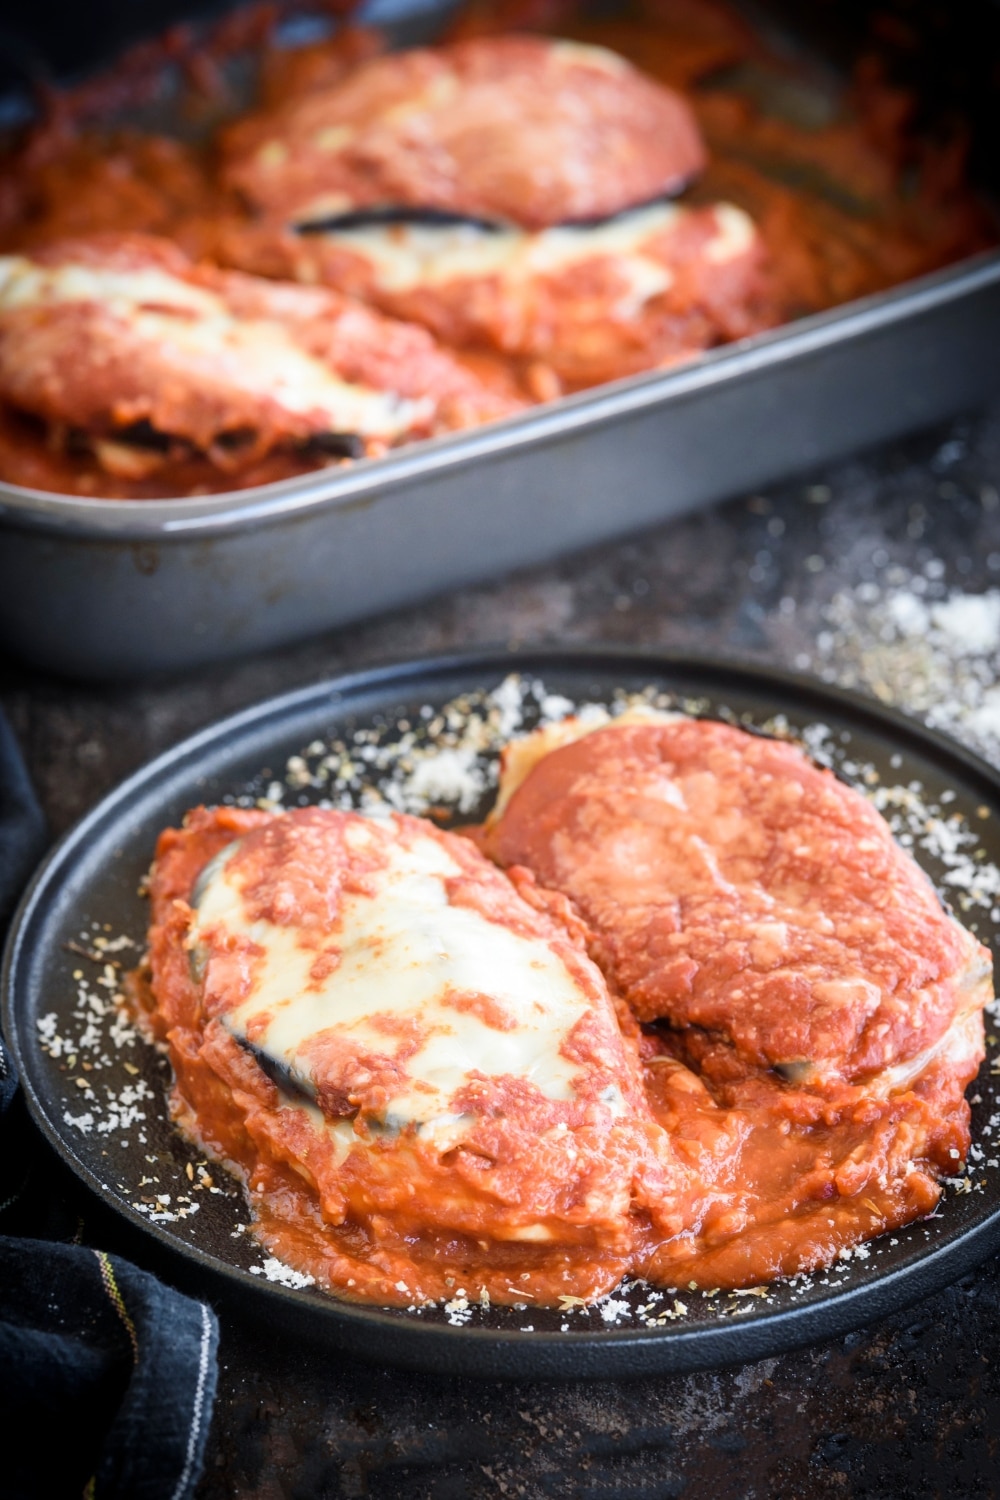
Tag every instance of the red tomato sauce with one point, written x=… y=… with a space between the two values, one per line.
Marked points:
x=740 y=1172
x=804 y=995
x=848 y=203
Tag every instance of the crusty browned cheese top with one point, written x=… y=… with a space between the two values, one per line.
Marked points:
x=521 y=129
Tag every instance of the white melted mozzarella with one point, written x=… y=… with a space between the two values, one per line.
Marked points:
x=736 y=234
x=586 y=55
x=255 y=355
x=408 y=256
x=403 y=949
x=23 y=283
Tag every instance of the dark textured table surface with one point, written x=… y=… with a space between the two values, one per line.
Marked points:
x=882 y=574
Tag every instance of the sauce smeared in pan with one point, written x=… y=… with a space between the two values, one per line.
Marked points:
x=810 y=196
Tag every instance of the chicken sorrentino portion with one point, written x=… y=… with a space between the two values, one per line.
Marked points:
x=511 y=194
x=811 y=1014
x=518 y=129
x=125 y=369
x=681 y=1008
x=408 y=1056
x=749 y=901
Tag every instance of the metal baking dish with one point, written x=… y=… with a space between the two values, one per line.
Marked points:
x=106 y=589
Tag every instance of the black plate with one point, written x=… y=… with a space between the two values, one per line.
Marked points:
x=87 y=894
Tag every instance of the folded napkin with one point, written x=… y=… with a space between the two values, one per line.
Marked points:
x=107 y=1377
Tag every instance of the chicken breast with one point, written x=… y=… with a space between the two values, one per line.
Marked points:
x=751 y=903
x=508 y=193
x=145 y=360
x=518 y=129
x=373 y=1006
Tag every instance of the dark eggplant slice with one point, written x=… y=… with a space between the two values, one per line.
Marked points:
x=391 y=213
x=291 y=1082
x=439 y=218
x=144 y=435
x=595 y=223
x=237 y=440
x=335 y=444
x=216 y=864
x=197 y=956
x=299 y=1087
x=796 y=1070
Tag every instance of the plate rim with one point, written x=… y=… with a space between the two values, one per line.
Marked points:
x=371 y=1331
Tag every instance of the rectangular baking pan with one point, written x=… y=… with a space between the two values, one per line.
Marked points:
x=113 y=589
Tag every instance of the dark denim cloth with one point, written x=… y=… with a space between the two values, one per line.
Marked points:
x=22 y=827
x=107 y=1377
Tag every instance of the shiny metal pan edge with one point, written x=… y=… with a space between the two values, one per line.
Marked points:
x=805 y=339
x=113 y=589
x=91 y=877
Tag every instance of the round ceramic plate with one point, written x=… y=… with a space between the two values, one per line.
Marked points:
x=425 y=736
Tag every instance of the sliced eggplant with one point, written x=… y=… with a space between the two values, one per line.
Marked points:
x=401 y=213
x=795 y=1070
x=393 y=213
x=197 y=957
x=335 y=444
x=287 y=1080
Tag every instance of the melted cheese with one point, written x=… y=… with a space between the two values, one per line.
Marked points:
x=23 y=283
x=412 y=255
x=255 y=355
x=736 y=234
x=408 y=256
x=958 y=1046
x=403 y=949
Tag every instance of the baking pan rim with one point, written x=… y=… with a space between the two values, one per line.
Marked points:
x=245 y=510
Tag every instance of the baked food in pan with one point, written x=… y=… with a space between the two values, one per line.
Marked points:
x=507 y=192
x=515 y=195
x=503 y=129
x=740 y=1050
x=138 y=368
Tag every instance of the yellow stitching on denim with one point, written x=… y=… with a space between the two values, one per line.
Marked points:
x=111 y=1287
